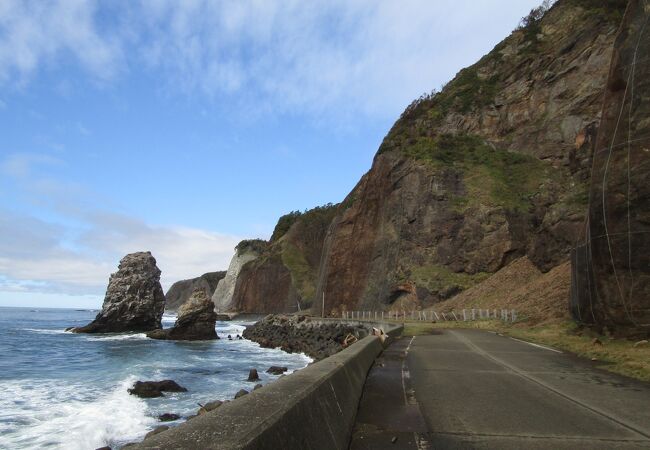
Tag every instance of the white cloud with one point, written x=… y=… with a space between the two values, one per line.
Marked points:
x=364 y=56
x=74 y=246
x=36 y=33
x=40 y=256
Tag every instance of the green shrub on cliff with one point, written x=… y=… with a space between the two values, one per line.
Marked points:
x=318 y=216
x=284 y=223
x=491 y=176
x=255 y=245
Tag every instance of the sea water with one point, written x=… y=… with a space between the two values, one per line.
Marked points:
x=69 y=391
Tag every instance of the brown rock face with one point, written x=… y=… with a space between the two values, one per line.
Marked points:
x=283 y=278
x=134 y=298
x=611 y=270
x=196 y=320
x=493 y=168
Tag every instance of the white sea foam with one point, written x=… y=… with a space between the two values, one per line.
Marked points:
x=69 y=416
x=169 y=318
x=44 y=331
x=117 y=337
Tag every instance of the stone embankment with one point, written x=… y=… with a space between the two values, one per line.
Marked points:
x=290 y=412
x=300 y=334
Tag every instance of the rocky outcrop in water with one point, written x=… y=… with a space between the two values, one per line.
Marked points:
x=181 y=291
x=152 y=389
x=134 y=299
x=196 y=321
x=300 y=334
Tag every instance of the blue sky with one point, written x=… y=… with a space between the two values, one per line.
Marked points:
x=183 y=127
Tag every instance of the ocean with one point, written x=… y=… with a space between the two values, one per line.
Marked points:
x=69 y=391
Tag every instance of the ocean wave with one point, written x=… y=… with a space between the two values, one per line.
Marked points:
x=70 y=416
x=169 y=318
x=117 y=337
x=44 y=331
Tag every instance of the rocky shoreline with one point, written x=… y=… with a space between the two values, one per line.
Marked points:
x=301 y=334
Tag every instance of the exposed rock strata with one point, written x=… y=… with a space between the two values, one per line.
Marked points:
x=134 y=299
x=223 y=294
x=611 y=283
x=284 y=277
x=181 y=291
x=492 y=168
x=196 y=321
x=300 y=334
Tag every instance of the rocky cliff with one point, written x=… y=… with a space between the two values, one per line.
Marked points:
x=493 y=168
x=611 y=269
x=245 y=252
x=284 y=277
x=181 y=291
x=134 y=299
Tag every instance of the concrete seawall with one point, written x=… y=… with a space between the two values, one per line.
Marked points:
x=313 y=408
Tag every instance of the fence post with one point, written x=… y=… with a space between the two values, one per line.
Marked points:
x=473 y=314
x=514 y=315
x=456 y=318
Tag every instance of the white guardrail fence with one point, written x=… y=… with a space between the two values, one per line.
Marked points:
x=507 y=315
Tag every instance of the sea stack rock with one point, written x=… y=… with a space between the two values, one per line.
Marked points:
x=196 y=320
x=134 y=299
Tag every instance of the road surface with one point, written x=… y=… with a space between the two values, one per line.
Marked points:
x=470 y=389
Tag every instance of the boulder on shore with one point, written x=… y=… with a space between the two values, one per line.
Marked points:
x=134 y=299
x=152 y=389
x=196 y=321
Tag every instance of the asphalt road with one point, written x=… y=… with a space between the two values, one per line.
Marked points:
x=476 y=389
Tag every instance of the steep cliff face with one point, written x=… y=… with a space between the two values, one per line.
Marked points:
x=245 y=252
x=611 y=276
x=492 y=168
x=181 y=291
x=283 y=278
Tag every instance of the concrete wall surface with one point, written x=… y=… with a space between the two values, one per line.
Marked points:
x=313 y=408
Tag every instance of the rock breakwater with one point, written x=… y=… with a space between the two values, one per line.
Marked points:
x=300 y=334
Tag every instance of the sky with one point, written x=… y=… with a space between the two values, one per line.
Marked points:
x=183 y=127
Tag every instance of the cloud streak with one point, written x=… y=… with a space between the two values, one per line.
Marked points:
x=71 y=246
x=35 y=33
x=364 y=56
x=41 y=256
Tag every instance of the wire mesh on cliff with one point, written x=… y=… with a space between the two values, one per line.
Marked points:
x=611 y=267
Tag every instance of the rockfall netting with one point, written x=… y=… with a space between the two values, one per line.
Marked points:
x=611 y=266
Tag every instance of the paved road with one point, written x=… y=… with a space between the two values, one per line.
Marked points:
x=481 y=390
x=469 y=389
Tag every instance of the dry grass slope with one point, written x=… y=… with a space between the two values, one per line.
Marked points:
x=536 y=296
